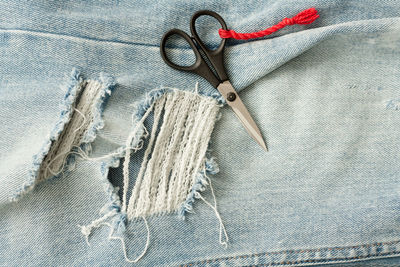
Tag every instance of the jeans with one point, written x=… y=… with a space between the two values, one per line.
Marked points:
x=324 y=95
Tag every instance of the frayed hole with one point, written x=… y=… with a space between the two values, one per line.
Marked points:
x=81 y=118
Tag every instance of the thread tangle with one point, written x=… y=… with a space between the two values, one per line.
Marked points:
x=304 y=17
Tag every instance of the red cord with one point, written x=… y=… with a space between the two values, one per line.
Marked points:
x=304 y=17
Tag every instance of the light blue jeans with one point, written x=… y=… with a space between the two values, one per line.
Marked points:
x=325 y=96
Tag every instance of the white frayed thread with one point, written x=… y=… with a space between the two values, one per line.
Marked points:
x=82 y=154
x=222 y=228
x=86 y=231
x=127 y=158
x=83 y=122
x=182 y=126
x=71 y=136
x=174 y=155
x=157 y=116
x=66 y=153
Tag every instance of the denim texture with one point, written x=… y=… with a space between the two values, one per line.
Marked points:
x=325 y=96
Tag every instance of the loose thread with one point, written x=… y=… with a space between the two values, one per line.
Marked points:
x=85 y=156
x=304 y=17
x=66 y=153
x=84 y=120
x=214 y=208
x=110 y=236
x=82 y=154
x=127 y=159
x=196 y=88
x=86 y=231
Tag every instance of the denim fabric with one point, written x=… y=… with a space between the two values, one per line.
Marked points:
x=326 y=97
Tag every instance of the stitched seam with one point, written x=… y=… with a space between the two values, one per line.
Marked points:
x=323 y=260
x=327 y=27
x=52 y=34
x=303 y=251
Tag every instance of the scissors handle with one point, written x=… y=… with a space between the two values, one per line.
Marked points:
x=200 y=66
x=216 y=57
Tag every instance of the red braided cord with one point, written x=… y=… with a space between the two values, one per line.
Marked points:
x=304 y=17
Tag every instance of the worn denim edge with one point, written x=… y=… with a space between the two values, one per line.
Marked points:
x=73 y=88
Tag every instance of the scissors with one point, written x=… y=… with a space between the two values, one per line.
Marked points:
x=219 y=81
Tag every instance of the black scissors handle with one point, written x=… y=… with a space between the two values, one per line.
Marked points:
x=200 y=67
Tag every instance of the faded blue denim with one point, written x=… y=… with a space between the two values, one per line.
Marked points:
x=326 y=97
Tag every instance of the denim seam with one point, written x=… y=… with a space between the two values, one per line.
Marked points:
x=31 y=31
x=321 y=260
x=332 y=260
x=326 y=27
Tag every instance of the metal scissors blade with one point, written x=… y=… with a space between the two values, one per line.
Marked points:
x=228 y=92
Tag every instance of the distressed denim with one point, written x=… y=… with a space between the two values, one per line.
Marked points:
x=325 y=96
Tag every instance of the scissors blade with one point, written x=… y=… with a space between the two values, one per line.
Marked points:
x=226 y=88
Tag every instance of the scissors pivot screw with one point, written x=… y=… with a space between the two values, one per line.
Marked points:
x=231 y=97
